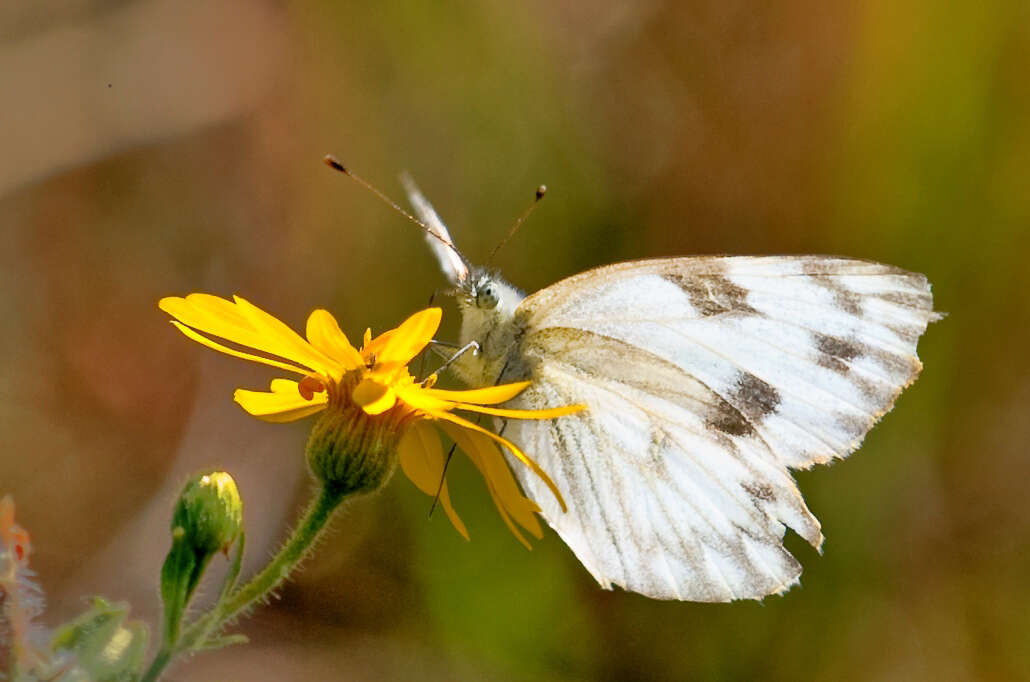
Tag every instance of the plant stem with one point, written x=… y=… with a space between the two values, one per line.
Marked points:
x=158 y=664
x=296 y=547
x=278 y=569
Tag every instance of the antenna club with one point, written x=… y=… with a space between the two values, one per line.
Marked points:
x=334 y=163
x=540 y=192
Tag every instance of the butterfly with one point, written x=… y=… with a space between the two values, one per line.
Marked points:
x=706 y=380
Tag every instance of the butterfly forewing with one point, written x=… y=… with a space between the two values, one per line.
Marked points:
x=705 y=380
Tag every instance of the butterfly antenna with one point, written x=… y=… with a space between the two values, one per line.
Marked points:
x=540 y=192
x=335 y=164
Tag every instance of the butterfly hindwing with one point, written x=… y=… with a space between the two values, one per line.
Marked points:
x=659 y=502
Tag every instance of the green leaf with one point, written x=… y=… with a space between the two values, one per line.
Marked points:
x=103 y=642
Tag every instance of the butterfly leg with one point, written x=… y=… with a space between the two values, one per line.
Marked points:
x=443 y=477
x=444 y=348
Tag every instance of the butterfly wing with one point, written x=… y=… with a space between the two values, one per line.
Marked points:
x=706 y=380
x=439 y=239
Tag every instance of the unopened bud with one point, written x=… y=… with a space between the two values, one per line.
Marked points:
x=208 y=518
x=209 y=512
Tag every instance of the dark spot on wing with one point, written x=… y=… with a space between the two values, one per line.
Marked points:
x=727 y=419
x=855 y=426
x=712 y=294
x=754 y=398
x=907 y=333
x=896 y=365
x=919 y=301
x=835 y=352
x=759 y=491
x=816 y=265
x=829 y=265
x=846 y=299
x=837 y=347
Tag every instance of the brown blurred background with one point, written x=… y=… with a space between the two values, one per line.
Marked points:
x=153 y=147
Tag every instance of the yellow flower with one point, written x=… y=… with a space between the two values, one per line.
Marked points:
x=372 y=402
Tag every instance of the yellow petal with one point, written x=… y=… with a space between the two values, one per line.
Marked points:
x=218 y=317
x=410 y=338
x=283 y=403
x=280 y=340
x=418 y=398
x=373 y=397
x=429 y=399
x=285 y=386
x=247 y=325
x=212 y=315
x=492 y=395
x=199 y=338
x=422 y=457
x=505 y=516
x=491 y=464
x=389 y=373
x=422 y=461
x=512 y=448
x=325 y=334
x=549 y=413
x=370 y=346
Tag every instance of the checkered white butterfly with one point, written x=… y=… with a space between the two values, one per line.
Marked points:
x=706 y=380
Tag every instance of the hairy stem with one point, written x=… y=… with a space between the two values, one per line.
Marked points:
x=296 y=547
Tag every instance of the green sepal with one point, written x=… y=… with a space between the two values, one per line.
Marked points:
x=203 y=633
x=180 y=575
x=234 y=568
x=213 y=643
x=104 y=643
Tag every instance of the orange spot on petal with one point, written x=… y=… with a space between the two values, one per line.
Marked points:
x=309 y=386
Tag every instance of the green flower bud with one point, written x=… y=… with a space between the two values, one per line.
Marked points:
x=209 y=513
x=350 y=451
x=208 y=518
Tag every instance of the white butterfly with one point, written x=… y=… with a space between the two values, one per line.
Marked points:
x=706 y=380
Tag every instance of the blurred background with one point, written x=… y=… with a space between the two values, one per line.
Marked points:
x=153 y=147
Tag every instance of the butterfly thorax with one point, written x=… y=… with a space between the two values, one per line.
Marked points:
x=488 y=306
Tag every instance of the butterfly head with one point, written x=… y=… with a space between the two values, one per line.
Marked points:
x=487 y=304
x=484 y=294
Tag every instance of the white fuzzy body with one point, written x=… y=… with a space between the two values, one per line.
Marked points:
x=495 y=330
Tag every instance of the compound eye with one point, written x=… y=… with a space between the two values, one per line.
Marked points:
x=487 y=297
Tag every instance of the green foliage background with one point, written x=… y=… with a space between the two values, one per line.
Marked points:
x=177 y=150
